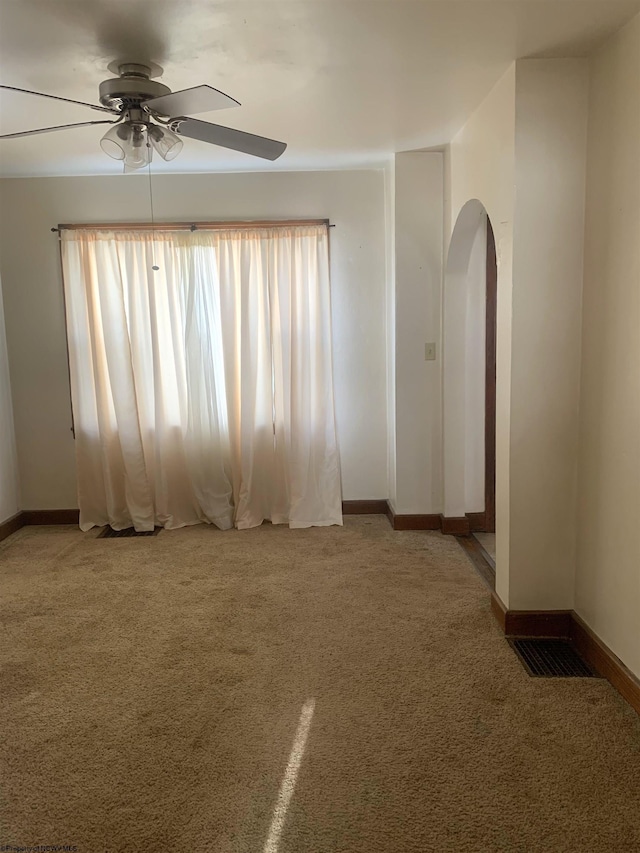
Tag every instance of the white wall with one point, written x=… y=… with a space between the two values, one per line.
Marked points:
x=481 y=162
x=522 y=154
x=9 y=493
x=354 y=201
x=608 y=569
x=551 y=118
x=418 y=308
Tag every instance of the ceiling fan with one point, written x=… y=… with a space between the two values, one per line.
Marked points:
x=150 y=116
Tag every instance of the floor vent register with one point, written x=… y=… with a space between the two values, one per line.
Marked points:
x=128 y=532
x=551 y=659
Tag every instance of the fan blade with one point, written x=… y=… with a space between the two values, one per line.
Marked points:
x=199 y=99
x=58 y=98
x=49 y=129
x=227 y=137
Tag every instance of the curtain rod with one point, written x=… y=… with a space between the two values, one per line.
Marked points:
x=191 y=226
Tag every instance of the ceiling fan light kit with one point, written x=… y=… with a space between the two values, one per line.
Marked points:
x=127 y=142
x=152 y=117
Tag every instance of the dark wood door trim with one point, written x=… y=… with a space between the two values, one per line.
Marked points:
x=477 y=521
x=490 y=384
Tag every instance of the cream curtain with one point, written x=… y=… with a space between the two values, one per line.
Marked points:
x=203 y=391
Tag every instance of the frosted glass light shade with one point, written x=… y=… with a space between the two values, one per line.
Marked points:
x=138 y=151
x=167 y=143
x=115 y=142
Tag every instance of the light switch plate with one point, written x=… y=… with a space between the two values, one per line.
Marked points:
x=429 y=352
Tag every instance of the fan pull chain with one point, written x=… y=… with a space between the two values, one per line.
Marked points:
x=154 y=266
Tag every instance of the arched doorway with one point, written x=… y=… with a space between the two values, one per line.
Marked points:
x=469 y=372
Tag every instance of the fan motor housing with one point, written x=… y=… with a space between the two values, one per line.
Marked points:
x=132 y=87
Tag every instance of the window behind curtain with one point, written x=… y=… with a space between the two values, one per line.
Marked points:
x=202 y=391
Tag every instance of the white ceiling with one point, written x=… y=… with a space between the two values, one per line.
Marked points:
x=344 y=83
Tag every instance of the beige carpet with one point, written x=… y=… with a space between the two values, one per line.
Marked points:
x=152 y=692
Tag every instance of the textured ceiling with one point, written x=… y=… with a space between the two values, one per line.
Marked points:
x=345 y=84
